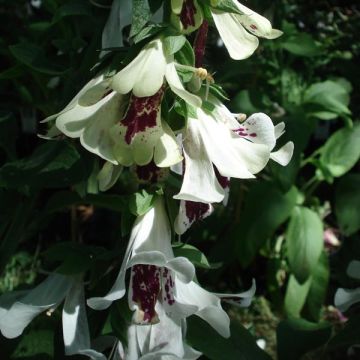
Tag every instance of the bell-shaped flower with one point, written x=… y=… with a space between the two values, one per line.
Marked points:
x=240 y=32
x=19 y=308
x=160 y=281
x=141 y=135
x=209 y=142
x=145 y=75
x=344 y=298
x=153 y=267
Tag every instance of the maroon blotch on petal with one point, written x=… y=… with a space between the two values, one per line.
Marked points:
x=187 y=15
x=196 y=210
x=145 y=290
x=141 y=114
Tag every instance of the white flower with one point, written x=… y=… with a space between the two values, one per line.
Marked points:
x=119 y=130
x=217 y=142
x=344 y=298
x=159 y=280
x=239 y=32
x=209 y=142
x=19 y=308
x=145 y=75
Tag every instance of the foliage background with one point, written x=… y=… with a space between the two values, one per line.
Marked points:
x=273 y=229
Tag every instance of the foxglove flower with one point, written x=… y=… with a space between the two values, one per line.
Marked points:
x=145 y=75
x=240 y=32
x=19 y=308
x=344 y=298
x=209 y=142
x=216 y=146
x=159 y=279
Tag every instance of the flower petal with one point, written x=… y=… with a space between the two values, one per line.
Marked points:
x=189 y=212
x=353 y=269
x=255 y=23
x=284 y=154
x=75 y=324
x=208 y=305
x=177 y=87
x=233 y=157
x=242 y=300
x=239 y=43
x=145 y=74
x=199 y=183
x=96 y=137
x=344 y=298
x=75 y=100
x=46 y=295
x=259 y=129
x=167 y=152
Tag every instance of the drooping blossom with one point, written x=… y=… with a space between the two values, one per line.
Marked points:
x=216 y=146
x=19 y=308
x=157 y=278
x=240 y=32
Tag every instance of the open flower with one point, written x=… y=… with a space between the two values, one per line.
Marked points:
x=209 y=142
x=216 y=147
x=158 y=279
x=19 y=308
x=145 y=75
x=239 y=32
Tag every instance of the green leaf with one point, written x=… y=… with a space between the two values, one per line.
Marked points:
x=301 y=44
x=193 y=254
x=185 y=55
x=304 y=239
x=296 y=337
x=295 y=296
x=75 y=258
x=347 y=200
x=240 y=346
x=174 y=43
x=34 y=57
x=342 y=150
x=53 y=164
x=332 y=96
x=225 y=5
x=148 y=31
x=63 y=199
x=141 y=14
x=318 y=287
x=73 y=8
x=8 y=131
x=141 y=202
x=266 y=208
